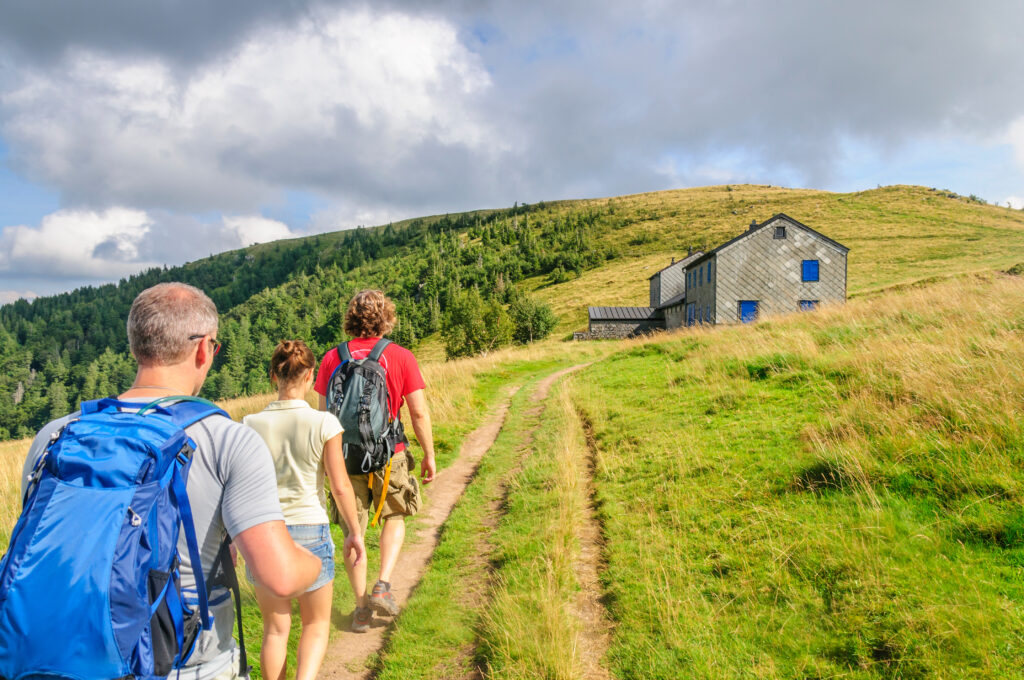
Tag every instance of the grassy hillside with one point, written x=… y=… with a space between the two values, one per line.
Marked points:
x=571 y=254
x=823 y=495
x=831 y=495
x=897 y=235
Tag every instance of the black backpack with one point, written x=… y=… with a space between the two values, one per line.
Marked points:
x=357 y=394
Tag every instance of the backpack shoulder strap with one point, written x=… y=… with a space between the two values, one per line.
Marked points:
x=343 y=353
x=185 y=411
x=96 y=405
x=378 y=349
x=224 y=575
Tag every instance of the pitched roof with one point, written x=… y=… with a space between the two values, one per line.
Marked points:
x=683 y=262
x=758 y=227
x=623 y=313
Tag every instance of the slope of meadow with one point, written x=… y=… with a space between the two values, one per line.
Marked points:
x=60 y=350
x=835 y=494
x=897 y=235
x=830 y=494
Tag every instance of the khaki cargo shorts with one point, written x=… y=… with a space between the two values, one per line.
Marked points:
x=403 y=497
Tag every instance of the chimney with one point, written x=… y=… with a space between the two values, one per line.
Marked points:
x=689 y=251
x=673 y=260
x=753 y=225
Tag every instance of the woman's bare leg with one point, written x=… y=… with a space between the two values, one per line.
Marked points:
x=315 y=610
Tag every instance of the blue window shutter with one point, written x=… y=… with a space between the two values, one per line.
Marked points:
x=810 y=270
x=808 y=305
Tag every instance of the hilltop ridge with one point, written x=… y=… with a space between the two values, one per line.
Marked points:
x=570 y=254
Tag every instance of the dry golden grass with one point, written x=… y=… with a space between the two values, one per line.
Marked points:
x=12 y=456
x=897 y=235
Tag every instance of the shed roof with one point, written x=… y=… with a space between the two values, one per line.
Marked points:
x=672 y=302
x=623 y=313
x=748 y=232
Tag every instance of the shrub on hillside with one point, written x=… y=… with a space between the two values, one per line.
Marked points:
x=531 y=320
x=474 y=325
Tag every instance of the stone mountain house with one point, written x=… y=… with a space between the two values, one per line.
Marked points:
x=775 y=267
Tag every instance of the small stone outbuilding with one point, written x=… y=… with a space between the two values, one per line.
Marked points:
x=667 y=295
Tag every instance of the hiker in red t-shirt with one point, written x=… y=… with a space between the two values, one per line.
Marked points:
x=370 y=316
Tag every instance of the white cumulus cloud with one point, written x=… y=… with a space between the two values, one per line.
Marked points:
x=339 y=101
x=12 y=295
x=255 y=229
x=77 y=244
x=1015 y=136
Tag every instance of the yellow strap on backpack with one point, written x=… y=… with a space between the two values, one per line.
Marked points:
x=383 y=493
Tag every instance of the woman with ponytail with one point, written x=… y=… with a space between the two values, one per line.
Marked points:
x=306 y=445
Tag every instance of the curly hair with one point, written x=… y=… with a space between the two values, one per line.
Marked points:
x=291 y=359
x=370 y=314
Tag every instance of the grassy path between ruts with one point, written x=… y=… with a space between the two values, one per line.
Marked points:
x=499 y=597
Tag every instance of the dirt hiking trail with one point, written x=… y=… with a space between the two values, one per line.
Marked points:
x=348 y=652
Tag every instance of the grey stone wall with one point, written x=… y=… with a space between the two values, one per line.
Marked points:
x=674 y=316
x=606 y=330
x=702 y=295
x=761 y=267
x=667 y=284
x=655 y=290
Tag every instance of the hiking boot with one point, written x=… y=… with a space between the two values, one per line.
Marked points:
x=382 y=601
x=361 y=619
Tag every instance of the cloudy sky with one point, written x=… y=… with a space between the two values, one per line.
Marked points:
x=135 y=134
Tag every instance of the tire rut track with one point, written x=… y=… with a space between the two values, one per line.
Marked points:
x=498 y=505
x=348 y=653
x=596 y=628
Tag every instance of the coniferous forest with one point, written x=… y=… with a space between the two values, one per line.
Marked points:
x=452 y=275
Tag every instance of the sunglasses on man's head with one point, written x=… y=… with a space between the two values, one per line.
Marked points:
x=216 y=345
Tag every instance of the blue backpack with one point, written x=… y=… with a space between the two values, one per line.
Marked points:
x=90 y=584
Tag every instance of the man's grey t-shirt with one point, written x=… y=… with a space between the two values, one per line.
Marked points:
x=231 y=487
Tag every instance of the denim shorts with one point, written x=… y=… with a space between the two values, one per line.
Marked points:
x=317 y=539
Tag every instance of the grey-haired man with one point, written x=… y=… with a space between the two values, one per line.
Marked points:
x=232 y=486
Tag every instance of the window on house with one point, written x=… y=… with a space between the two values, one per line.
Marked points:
x=808 y=305
x=700 y=276
x=748 y=310
x=707 y=313
x=810 y=270
x=780 y=232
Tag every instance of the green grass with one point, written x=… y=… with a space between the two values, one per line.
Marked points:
x=834 y=495
x=435 y=637
x=826 y=495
